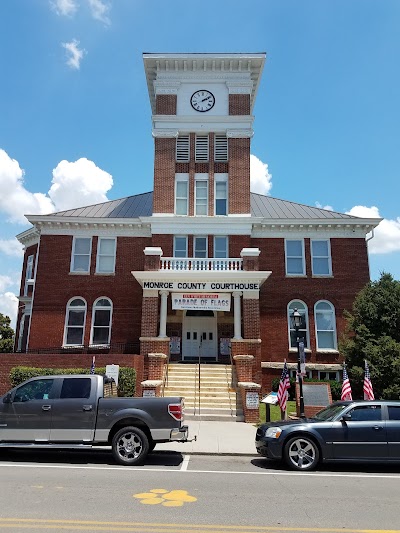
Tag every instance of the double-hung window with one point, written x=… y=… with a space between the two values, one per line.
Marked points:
x=181 y=194
x=201 y=194
x=75 y=322
x=180 y=246
x=81 y=251
x=28 y=273
x=294 y=252
x=325 y=326
x=220 y=247
x=321 y=257
x=105 y=263
x=101 y=322
x=221 y=194
x=200 y=247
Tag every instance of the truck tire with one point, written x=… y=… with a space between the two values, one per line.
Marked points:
x=301 y=453
x=130 y=446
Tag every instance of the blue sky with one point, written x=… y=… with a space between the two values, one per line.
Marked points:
x=75 y=118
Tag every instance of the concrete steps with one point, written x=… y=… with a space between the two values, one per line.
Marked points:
x=217 y=399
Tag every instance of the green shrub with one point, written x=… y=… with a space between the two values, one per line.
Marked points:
x=126 y=380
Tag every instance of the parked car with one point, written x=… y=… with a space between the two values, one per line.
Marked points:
x=71 y=411
x=345 y=431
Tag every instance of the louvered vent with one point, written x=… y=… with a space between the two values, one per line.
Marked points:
x=182 y=148
x=201 y=147
x=221 y=148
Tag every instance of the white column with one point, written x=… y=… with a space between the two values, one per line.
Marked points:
x=163 y=313
x=237 y=315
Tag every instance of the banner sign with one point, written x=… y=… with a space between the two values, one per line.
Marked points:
x=208 y=302
x=200 y=286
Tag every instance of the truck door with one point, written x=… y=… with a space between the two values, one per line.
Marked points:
x=28 y=416
x=74 y=411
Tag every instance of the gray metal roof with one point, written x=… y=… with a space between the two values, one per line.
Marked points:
x=141 y=205
x=268 y=207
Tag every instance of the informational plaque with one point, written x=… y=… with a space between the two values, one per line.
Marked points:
x=148 y=392
x=271 y=398
x=224 y=345
x=252 y=400
x=112 y=371
x=205 y=301
x=175 y=345
x=316 y=394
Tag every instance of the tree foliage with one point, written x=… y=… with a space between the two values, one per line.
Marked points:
x=6 y=334
x=373 y=333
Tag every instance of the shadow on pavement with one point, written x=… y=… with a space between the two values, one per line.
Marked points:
x=81 y=457
x=339 y=467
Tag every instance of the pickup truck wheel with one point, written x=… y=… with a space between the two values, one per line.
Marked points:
x=301 y=453
x=130 y=446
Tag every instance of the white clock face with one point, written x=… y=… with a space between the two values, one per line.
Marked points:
x=202 y=100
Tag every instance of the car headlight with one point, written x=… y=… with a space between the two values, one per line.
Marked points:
x=273 y=433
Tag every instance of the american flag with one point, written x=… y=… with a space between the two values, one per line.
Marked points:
x=346 y=387
x=284 y=385
x=93 y=365
x=368 y=390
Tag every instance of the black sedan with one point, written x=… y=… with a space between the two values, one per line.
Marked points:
x=345 y=431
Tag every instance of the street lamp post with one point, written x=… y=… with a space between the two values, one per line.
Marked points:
x=297 y=322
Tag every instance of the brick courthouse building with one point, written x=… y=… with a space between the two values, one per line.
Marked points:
x=201 y=266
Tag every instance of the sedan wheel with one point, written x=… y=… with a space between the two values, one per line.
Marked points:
x=130 y=446
x=301 y=453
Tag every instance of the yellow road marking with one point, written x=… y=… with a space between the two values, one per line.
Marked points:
x=84 y=525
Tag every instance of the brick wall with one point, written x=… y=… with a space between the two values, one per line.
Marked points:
x=239 y=104
x=166 y=104
x=9 y=361
x=55 y=286
x=239 y=176
x=164 y=175
x=150 y=316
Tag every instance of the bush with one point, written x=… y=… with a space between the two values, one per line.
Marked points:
x=126 y=381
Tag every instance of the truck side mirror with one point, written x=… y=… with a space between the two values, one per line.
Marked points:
x=7 y=398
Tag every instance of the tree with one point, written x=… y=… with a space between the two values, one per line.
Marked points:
x=6 y=334
x=373 y=333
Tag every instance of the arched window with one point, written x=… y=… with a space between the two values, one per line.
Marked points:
x=75 y=318
x=303 y=330
x=101 y=321
x=325 y=326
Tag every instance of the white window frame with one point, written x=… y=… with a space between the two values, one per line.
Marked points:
x=216 y=237
x=79 y=308
x=289 y=313
x=99 y=256
x=328 y=258
x=293 y=373
x=201 y=178
x=186 y=241
x=28 y=273
x=92 y=327
x=334 y=348
x=72 y=270
x=303 y=273
x=195 y=239
x=182 y=139
x=221 y=178
x=179 y=178
x=336 y=372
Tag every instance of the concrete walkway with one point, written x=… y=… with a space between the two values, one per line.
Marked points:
x=224 y=438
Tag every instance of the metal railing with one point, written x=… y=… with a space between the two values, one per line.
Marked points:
x=187 y=264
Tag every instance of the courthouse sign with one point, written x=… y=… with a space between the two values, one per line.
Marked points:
x=205 y=301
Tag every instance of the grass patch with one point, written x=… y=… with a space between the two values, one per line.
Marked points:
x=276 y=412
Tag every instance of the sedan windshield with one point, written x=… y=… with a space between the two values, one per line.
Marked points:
x=329 y=413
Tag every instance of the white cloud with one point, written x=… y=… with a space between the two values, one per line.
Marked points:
x=5 y=282
x=74 y=54
x=386 y=235
x=78 y=184
x=99 y=10
x=11 y=247
x=65 y=8
x=15 y=200
x=260 y=178
x=9 y=306
x=320 y=206
x=74 y=184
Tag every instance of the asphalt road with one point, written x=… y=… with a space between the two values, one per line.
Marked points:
x=171 y=493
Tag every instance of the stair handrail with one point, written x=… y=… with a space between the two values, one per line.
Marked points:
x=165 y=377
x=199 y=369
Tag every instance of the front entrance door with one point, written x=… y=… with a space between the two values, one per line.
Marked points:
x=199 y=336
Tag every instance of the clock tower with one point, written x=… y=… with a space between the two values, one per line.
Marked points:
x=202 y=125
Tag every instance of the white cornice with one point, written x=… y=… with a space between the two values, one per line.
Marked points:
x=346 y=228
x=29 y=237
x=232 y=125
x=171 y=224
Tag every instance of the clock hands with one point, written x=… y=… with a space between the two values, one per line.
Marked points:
x=207 y=98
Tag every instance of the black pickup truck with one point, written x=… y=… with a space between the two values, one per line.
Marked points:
x=77 y=411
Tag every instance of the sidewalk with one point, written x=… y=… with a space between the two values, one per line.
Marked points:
x=216 y=438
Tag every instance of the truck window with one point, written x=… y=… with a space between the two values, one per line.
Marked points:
x=34 y=390
x=76 y=388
